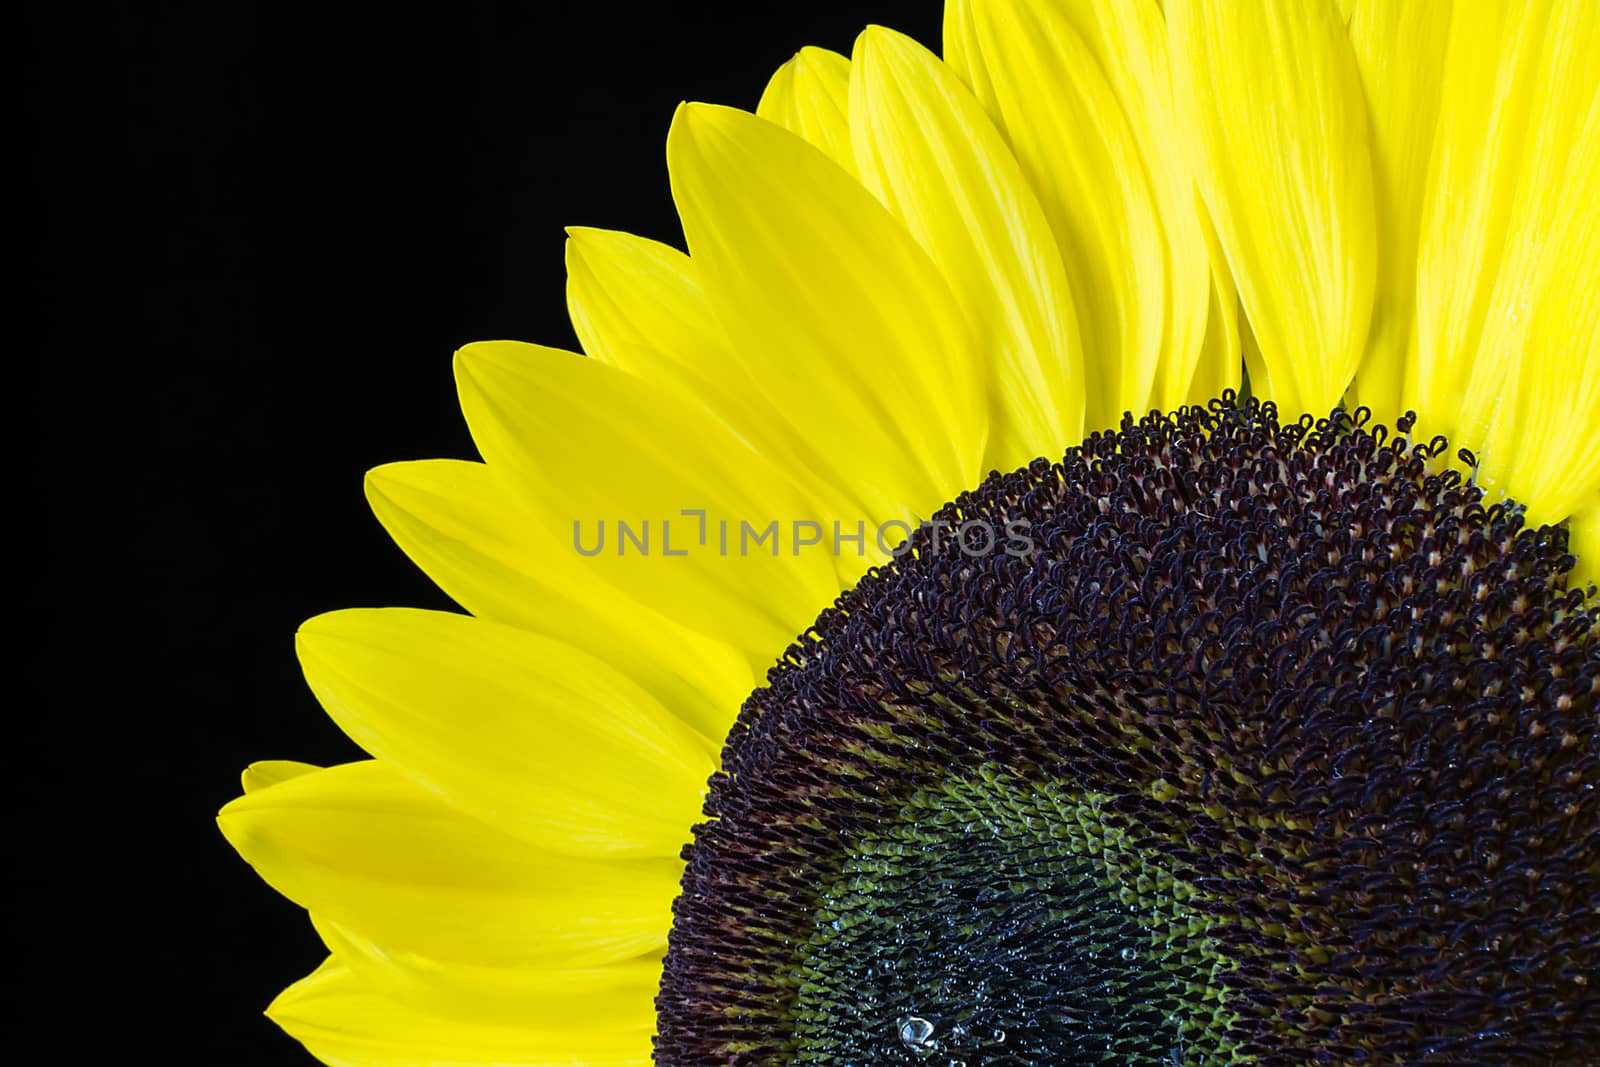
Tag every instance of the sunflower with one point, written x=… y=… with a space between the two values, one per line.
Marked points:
x=1263 y=730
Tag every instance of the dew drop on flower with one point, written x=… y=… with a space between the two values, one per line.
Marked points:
x=916 y=1033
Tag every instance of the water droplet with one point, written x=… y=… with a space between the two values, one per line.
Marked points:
x=1130 y=953
x=916 y=1032
x=999 y=1036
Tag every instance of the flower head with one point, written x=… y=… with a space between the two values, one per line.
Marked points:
x=1247 y=710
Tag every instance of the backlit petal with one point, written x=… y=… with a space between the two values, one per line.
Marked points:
x=474 y=537
x=263 y=773
x=1505 y=305
x=541 y=997
x=928 y=151
x=344 y=1024
x=810 y=96
x=1400 y=50
x=1082 y=92
x=1279 y=128
x=527 y=733
x=364 y=846
x=589 y=447
x=795 y=257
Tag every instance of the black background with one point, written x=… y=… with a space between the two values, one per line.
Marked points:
x=268 y=226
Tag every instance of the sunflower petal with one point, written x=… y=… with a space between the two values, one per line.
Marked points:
x=568 y=998
x=344 y=1024
x=1400 y=51
x=637 y=305
x=1545 y=444
x=473 y=537
x=1505 y=308
x=810 y=96
x=1082 y=93
x=881 y=395
x=591 y=448
x=1222 y=348
x=264 y=773
x=1279 y=130
x=927 y=150
x=363 y=846
x=529 y=734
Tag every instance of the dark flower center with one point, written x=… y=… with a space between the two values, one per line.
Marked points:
x=991 y=924
x=1280 y=748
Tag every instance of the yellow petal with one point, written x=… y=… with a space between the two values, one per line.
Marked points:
x=1505 y=308
x=631 y=297
x=589 y=446
x=810 y=96
x=344 y=1024
x=1400 y=51
x=264 y=773
x=1279 y=128
x=367 y=848
x=474 y=538
x=927 y=150
x=795 y=256
x=1082 y=93
x=1543 y=441
x=525 y=732
x=568 y=998
x=637 y=305
x=1217 y=369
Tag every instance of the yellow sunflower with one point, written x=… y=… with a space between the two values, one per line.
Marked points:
x=1266 y=723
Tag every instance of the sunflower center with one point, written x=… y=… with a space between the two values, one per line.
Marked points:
x=1280 y=740
x=982 y=924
